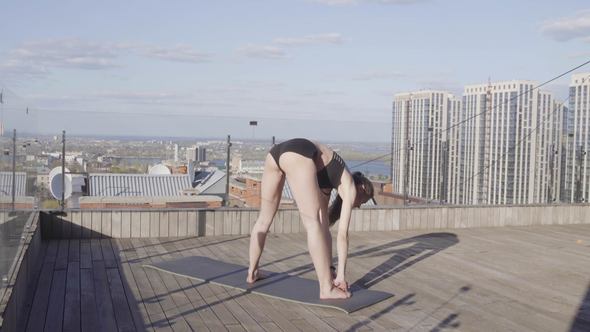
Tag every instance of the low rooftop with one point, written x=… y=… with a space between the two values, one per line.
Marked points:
x=482 y=279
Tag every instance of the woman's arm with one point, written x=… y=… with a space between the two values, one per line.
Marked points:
x=347 y=191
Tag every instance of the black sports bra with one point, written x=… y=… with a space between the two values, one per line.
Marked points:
x=329 y=176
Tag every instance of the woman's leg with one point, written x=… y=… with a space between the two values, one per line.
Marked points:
x=301 y=174
x=271 y=190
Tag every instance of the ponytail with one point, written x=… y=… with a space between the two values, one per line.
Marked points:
x=360 y=181
x=334 y=210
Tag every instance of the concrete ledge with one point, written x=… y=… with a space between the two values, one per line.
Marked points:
x=231 y=221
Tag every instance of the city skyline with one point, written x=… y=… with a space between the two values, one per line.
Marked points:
x=325 y=69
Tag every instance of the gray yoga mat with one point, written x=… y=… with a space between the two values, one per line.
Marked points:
x=278 y=285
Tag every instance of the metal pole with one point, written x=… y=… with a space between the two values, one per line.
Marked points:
x=227 y=171
x=407 y=152
x=443 y=170
x=63 y=170
x=14 y=170
x=273 y=141
x=551 y=169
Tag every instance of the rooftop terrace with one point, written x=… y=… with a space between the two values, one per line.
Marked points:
x=511 y=278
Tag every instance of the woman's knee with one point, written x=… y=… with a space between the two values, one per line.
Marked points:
x=310 y=219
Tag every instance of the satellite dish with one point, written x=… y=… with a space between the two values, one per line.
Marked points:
x=56 y=189
x=159 y=169
x=57 y=170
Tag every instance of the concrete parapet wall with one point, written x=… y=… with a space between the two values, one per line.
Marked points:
x=211 y=222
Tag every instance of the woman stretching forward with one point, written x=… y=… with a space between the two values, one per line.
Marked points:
x=312 y=170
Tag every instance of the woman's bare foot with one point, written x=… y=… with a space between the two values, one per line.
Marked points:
x=254 y=276
x=335 y=293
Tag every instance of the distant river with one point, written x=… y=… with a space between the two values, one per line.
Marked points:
x=375 y=168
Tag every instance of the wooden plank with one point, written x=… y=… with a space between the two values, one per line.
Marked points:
x=395 y=220
x=135 y=224
x=184 y=307
x=116 y=224
x=134 y=300
x=96 y=226
x=164 y=224
x=290 y=244
x=88 y=308
x=154 y=224
x=85 y=254
x=104 y=304
x=224 y=215
x=106 y=222
x=86 y=224
x=72 y=312
x=161 y=292
x=209 y=292
x=66 y=227
x=218 y=222
x=126 y=224
x=224 y=252
x=236 y=302
x=107 y=253
x=198 y=315
x=154 y=310
x=182 y=223
x=381 y=217
x=76 y=225
x=288 y=226
x=55 y=309
x=38 y=313
x=119 y=299
x=61 y=262
x=144 y=227
x=74 y=251
x=96 y=249
x=374 y=213
x=191 y=225
x=173 y=224
x=209 y=222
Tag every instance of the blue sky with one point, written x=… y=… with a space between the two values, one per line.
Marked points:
x=324 y=69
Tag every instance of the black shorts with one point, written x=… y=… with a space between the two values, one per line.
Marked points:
x=300 y=146
x=328 y=177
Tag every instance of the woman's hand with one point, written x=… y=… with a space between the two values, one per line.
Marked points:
x=341 y=284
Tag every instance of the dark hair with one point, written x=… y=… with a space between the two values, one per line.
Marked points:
x=359 y=181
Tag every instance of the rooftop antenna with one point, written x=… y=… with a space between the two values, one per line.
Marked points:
x=253 y=124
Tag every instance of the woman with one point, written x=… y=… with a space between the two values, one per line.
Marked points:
x=312 y=170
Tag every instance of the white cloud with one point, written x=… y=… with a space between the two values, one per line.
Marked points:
x=180 y=53
x=65 y=53
x=567 y=28
x=324 y=38
x=39 y=58
x=276 y=50
x=263 y=51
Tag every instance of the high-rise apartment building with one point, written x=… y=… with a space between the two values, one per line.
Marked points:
x=420 y=149
x=576 y=182
x=510 y=134
x=501 y=144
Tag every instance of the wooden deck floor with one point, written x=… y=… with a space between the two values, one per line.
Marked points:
x=495 y=279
